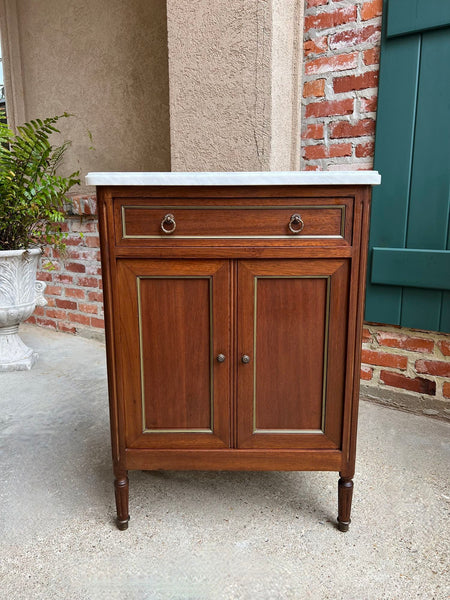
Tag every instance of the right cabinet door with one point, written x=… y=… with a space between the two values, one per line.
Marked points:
x=292 y=352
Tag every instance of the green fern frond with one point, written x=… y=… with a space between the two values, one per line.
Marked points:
x=31 y=194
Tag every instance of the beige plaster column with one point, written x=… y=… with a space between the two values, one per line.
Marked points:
x=234 y=79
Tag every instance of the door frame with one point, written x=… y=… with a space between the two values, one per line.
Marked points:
x=130 y=273
x=337 y=273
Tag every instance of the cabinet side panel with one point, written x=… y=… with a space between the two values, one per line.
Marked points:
x=106 y=230
x=356 y=315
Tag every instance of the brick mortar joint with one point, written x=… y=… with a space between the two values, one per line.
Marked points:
x=343 y=3
x=316 y=33
x=333 y=141
x=351 y=72
x=352 y=95
x=342 y=119
x=353 y=118
x=434 y=336
x=377 y=382
x=346 y=46
x=329 y=74
x=334 y=7
x=412 y=355
x=69 y=313
x=396 y=329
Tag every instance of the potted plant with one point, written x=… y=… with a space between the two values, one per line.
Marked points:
x=31 y=212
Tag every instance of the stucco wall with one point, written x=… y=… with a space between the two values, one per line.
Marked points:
x=233 y=84
x=106 y=62
x=234 y=80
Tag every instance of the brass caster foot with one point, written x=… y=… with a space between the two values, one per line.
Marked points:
x=122 y=525
x=343 y=525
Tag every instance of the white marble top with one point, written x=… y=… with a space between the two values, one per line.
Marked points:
x=237 y=178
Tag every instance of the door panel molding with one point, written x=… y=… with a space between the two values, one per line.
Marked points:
x=324 y=407
x=146 y=429
x=278 y=431
x=132 y=274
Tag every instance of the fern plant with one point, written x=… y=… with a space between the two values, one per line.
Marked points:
x=31 y=193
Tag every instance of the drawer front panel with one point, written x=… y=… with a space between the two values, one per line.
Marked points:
x=141 y=224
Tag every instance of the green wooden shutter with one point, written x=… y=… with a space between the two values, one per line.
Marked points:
x=409 y=273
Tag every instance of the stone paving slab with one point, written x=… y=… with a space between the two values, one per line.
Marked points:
x=206 y=535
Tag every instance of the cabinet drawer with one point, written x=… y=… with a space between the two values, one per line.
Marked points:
x=146 y=224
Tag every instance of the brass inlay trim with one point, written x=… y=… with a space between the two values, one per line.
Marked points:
x=325 y=356
x=287 y=431
x=145 y=429
x=126 y=236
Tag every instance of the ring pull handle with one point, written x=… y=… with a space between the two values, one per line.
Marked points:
x=168 y=224
x=296 y=223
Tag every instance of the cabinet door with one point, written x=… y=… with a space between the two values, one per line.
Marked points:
x=292 y=326
x=174 y=320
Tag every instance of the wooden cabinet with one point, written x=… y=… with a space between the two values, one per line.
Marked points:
x=233 y=319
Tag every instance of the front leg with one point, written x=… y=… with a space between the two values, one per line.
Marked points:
x=121 y=489
x=345 y=493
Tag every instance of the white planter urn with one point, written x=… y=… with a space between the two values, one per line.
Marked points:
x=19 y=295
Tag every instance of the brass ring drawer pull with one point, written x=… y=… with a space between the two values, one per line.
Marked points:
x=296 y=223
x=168 y=224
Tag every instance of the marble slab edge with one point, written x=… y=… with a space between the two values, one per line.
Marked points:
x=235 y=178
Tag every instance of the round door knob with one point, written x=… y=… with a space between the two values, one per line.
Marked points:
x=220 y=358
x=245 y=359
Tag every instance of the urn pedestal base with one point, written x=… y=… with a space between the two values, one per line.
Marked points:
x=14 y=354
x=19 y=295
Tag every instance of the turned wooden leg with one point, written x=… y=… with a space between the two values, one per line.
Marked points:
x=121 y=489
x=345 y=493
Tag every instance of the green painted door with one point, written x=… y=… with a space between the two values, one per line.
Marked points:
x=409 y=272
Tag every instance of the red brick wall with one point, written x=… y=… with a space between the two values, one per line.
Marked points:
x=407 y=368
x=74 y=284
x=341 y=59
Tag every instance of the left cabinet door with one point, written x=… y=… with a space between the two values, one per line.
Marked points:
x=173 y=323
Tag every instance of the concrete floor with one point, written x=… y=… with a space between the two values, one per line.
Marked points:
x=206 y=536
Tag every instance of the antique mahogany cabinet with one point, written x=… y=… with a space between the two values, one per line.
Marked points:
x=233 y=308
